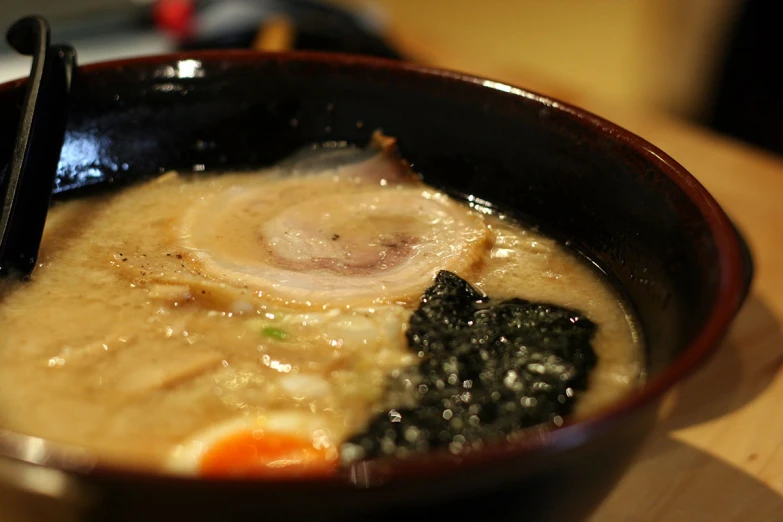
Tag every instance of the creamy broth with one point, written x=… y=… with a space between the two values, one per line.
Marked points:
x=143 y=334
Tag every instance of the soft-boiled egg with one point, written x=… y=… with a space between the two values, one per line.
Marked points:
x=278 y=443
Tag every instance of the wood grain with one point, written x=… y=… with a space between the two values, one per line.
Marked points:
x=717 y=456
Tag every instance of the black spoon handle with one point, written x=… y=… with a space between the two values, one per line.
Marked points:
x=27 y=187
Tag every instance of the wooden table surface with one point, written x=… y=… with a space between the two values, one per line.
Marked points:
x=717 y=453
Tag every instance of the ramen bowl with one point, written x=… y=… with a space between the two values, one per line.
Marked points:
x=620 y=201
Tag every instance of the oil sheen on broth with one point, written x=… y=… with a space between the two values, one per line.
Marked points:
x=250 y=323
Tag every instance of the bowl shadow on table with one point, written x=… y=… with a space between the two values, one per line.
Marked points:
x=743 y=367
x=685 y=484
x=676 y=482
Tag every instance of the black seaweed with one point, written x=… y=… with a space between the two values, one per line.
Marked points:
x=488 y=369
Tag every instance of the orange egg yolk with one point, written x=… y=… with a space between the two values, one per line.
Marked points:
x=246 y=454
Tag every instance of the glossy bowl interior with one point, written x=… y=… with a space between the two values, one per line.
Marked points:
x=624 y=203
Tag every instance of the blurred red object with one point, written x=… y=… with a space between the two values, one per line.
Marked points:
x=175 y=17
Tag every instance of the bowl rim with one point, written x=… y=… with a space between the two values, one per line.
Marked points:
x=730 y=295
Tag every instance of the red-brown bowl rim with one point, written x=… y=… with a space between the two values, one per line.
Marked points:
x=706 y=341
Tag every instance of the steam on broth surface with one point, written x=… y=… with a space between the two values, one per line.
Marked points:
x=261 y=322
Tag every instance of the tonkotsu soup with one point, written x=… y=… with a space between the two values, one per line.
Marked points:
x=295 y=320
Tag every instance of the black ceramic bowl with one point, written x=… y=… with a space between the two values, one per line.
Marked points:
x=630 y=207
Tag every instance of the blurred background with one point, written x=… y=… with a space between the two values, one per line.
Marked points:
x=709 y=62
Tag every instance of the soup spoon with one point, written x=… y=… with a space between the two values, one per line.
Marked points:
x=26 y=187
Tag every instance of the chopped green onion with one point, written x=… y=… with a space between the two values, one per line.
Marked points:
x=274 y=333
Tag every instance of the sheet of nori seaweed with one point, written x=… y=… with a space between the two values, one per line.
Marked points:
x=488 y=369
